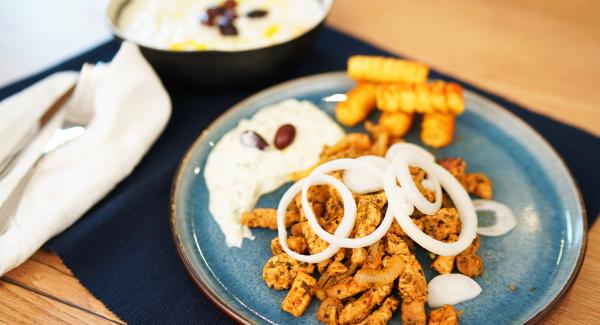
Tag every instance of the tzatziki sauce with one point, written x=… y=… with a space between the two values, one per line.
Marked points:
x=177 y=24
x=237 y=175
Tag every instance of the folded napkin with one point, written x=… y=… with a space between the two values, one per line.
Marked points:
x=127 y=112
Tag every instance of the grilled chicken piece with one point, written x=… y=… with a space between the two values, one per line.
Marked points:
x=413 y=313
x=479 y=185
x=368 y=213
x=346 y=288
x=267 y=218
x=280 y=271
x=456 y=166
x=383 y=314
x=468 y=262
x=329 y=311
x=297 y=244
x=359 y=256
x=296 y=229
x=315 y=243
x=443 y=264
x=360 y=309
x=446 y=315
x=299 y=296
x=412 y=283
x=443 y=225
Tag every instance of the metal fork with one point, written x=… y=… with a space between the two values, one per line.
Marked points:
x=70 y=129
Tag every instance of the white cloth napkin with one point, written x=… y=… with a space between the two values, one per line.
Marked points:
x=130 y=109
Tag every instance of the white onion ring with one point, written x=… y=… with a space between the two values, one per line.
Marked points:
x=395 y=194
x=343 y=164
x=395 y=149
x=428 y=183
x=400 y=165
x=401 y=202
x=344 y=228
x=362 y=182
x=505 y=219
x=451 y=289
x=463 y=204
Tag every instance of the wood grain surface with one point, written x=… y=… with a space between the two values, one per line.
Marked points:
x=544 y=55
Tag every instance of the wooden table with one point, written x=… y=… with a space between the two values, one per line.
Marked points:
x=541 y=54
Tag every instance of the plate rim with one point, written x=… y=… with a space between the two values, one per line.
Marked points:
x=236 y=316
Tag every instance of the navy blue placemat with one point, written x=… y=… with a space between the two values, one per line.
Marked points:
x=122 y=249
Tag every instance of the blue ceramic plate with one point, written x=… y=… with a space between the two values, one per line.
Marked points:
x=526 y=271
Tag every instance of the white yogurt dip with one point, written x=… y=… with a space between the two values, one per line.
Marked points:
x=176 y=24
x=237 y=175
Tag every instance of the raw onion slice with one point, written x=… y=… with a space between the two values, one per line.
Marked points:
x=461 y=200
x=451 y=289
x=401 y=168
x=343 y=230
x=362 y=182
x=386 y=275
x=395 y=195
x=396 y=148
x=343 y=241
x=428 y=183
x=505 y=219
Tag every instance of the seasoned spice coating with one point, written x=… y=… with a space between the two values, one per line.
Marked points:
x=443 y=264
x=329 y=311
x=299 y=296
x=267 y=218
x=280 y=271
x=346 y=288
x=468 y=262
x=456 y=166
x=479 y=185
x=446 y=315
x=443 y=225
x=383 y=314
x=360 y=309
x=297 y=244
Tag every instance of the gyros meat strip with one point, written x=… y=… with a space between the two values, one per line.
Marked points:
x=280 y=271
x=443 y=224
x=412 y=284
x=295 y=243
x=413 y=313
x=468 y=262
x=346 y=288
x=360 y=309
x=456 y=166
x=368 y=213
x=479 y=185
x=443 y=264
x=383 y=314
x=329 y=311
x=299 y=296
x=446 y=315
x=267 y=218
